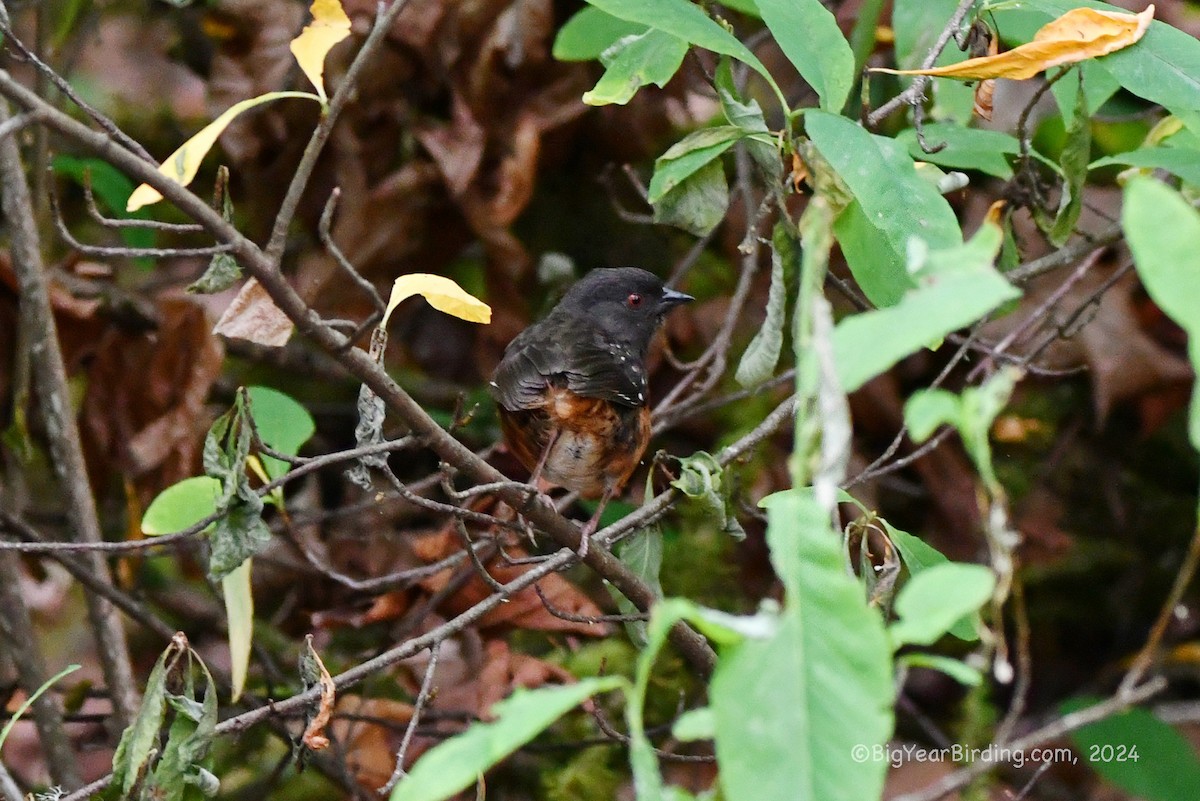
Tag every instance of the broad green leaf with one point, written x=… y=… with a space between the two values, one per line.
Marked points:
x=933 y=600
x=869 y=343
x=688 y=156
x=962 y=673
x=1138 y=753
x=455 y=764
x=1163 y=232
x=697 y=204
x=687 y=21
x=747 y=114
x=282 y=423
x=744 y=6
x=181 y=505
x=1074 y=161
x=966 y=148
x=894 y=200
x=1184 y=162
x=809 y=36
x=441 y=293
x=701 y=479
x=589 y=33
x=695 y=724
x=878 y=267
x=762 y=354
x=916 y=554
x=790 y=707
x=1098 y=88
x=182 y=165
x=1164 y=67
x=329 y=26
x=634 y=61
x=929 y=409
x=239 y=612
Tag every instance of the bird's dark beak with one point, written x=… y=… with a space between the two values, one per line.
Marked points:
x=671 y=299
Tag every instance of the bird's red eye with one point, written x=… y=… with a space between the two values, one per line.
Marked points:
x=634 y=300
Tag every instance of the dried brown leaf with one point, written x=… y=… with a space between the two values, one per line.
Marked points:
x=253 y=316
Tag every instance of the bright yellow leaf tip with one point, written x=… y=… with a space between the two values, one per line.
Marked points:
x=442 y=294
x=330 y=25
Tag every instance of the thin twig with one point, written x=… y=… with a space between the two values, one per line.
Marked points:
x=418 y=706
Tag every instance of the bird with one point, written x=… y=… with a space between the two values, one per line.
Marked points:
x=572 y=391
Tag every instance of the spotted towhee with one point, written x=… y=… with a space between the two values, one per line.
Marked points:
x=572 y=389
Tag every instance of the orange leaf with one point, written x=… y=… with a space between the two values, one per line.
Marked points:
x=1080 y=34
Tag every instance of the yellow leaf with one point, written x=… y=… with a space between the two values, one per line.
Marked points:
x=239 y=612
x=330 y=25
x=1080 y=34
x=442 y=294
x=182 y=165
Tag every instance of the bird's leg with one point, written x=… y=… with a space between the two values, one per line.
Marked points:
x=589 y=528
x=541 y=462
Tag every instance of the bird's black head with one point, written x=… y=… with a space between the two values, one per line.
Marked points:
x=626 y=303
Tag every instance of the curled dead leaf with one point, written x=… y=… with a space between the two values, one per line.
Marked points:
x=1078 y=35
x=314 y=672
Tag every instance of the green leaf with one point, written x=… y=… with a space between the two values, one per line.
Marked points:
x=111 y=189
x=1138 y=753
x=698 y=204
x=589 y=33
x=960 y=286
x=687 y=21
x=1184 y=162
x=762 y=354
x=1074 y=161
x=182 y=772
x=688 y=156
x=896 y=203
x=28 y=702
x=455 y=764
x=916 y=554
x=695 y=724
x=182 y=505
x=1163 y=232
x=1098 y=88
x=928 y=409
x=282 y=423
x=789 y=708
x=917 y=24
x=634 y=61
x=933 y=600
x=701 y=479
x=747 y=115
x=140 y=740
x=809 y=36
x=223 y=272
x=239 y=612
x=642 y=554
x=962 y=673
x=237 y=536
x=966 y=148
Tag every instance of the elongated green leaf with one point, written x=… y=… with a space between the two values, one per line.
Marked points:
x=809 y=36
x=182 y=773
x=36 y=694
x=789 y=708
x=1074 y=161
x=134 y=751
x=456 y=763
x=966 y=148
x=896 y=204
x=962 y=673
x=933 y=600
x=1139 y=753
x=1098 y=88
x=1184 y=162
x=589 y=33
x=688 y=156
x=634 y=61
x=1163 y=231
x=642 y=554
x=866 y=344
x=686 y=21
x=762 y=354
x=282 y=423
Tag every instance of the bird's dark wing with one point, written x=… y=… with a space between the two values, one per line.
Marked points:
x=548 y=354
